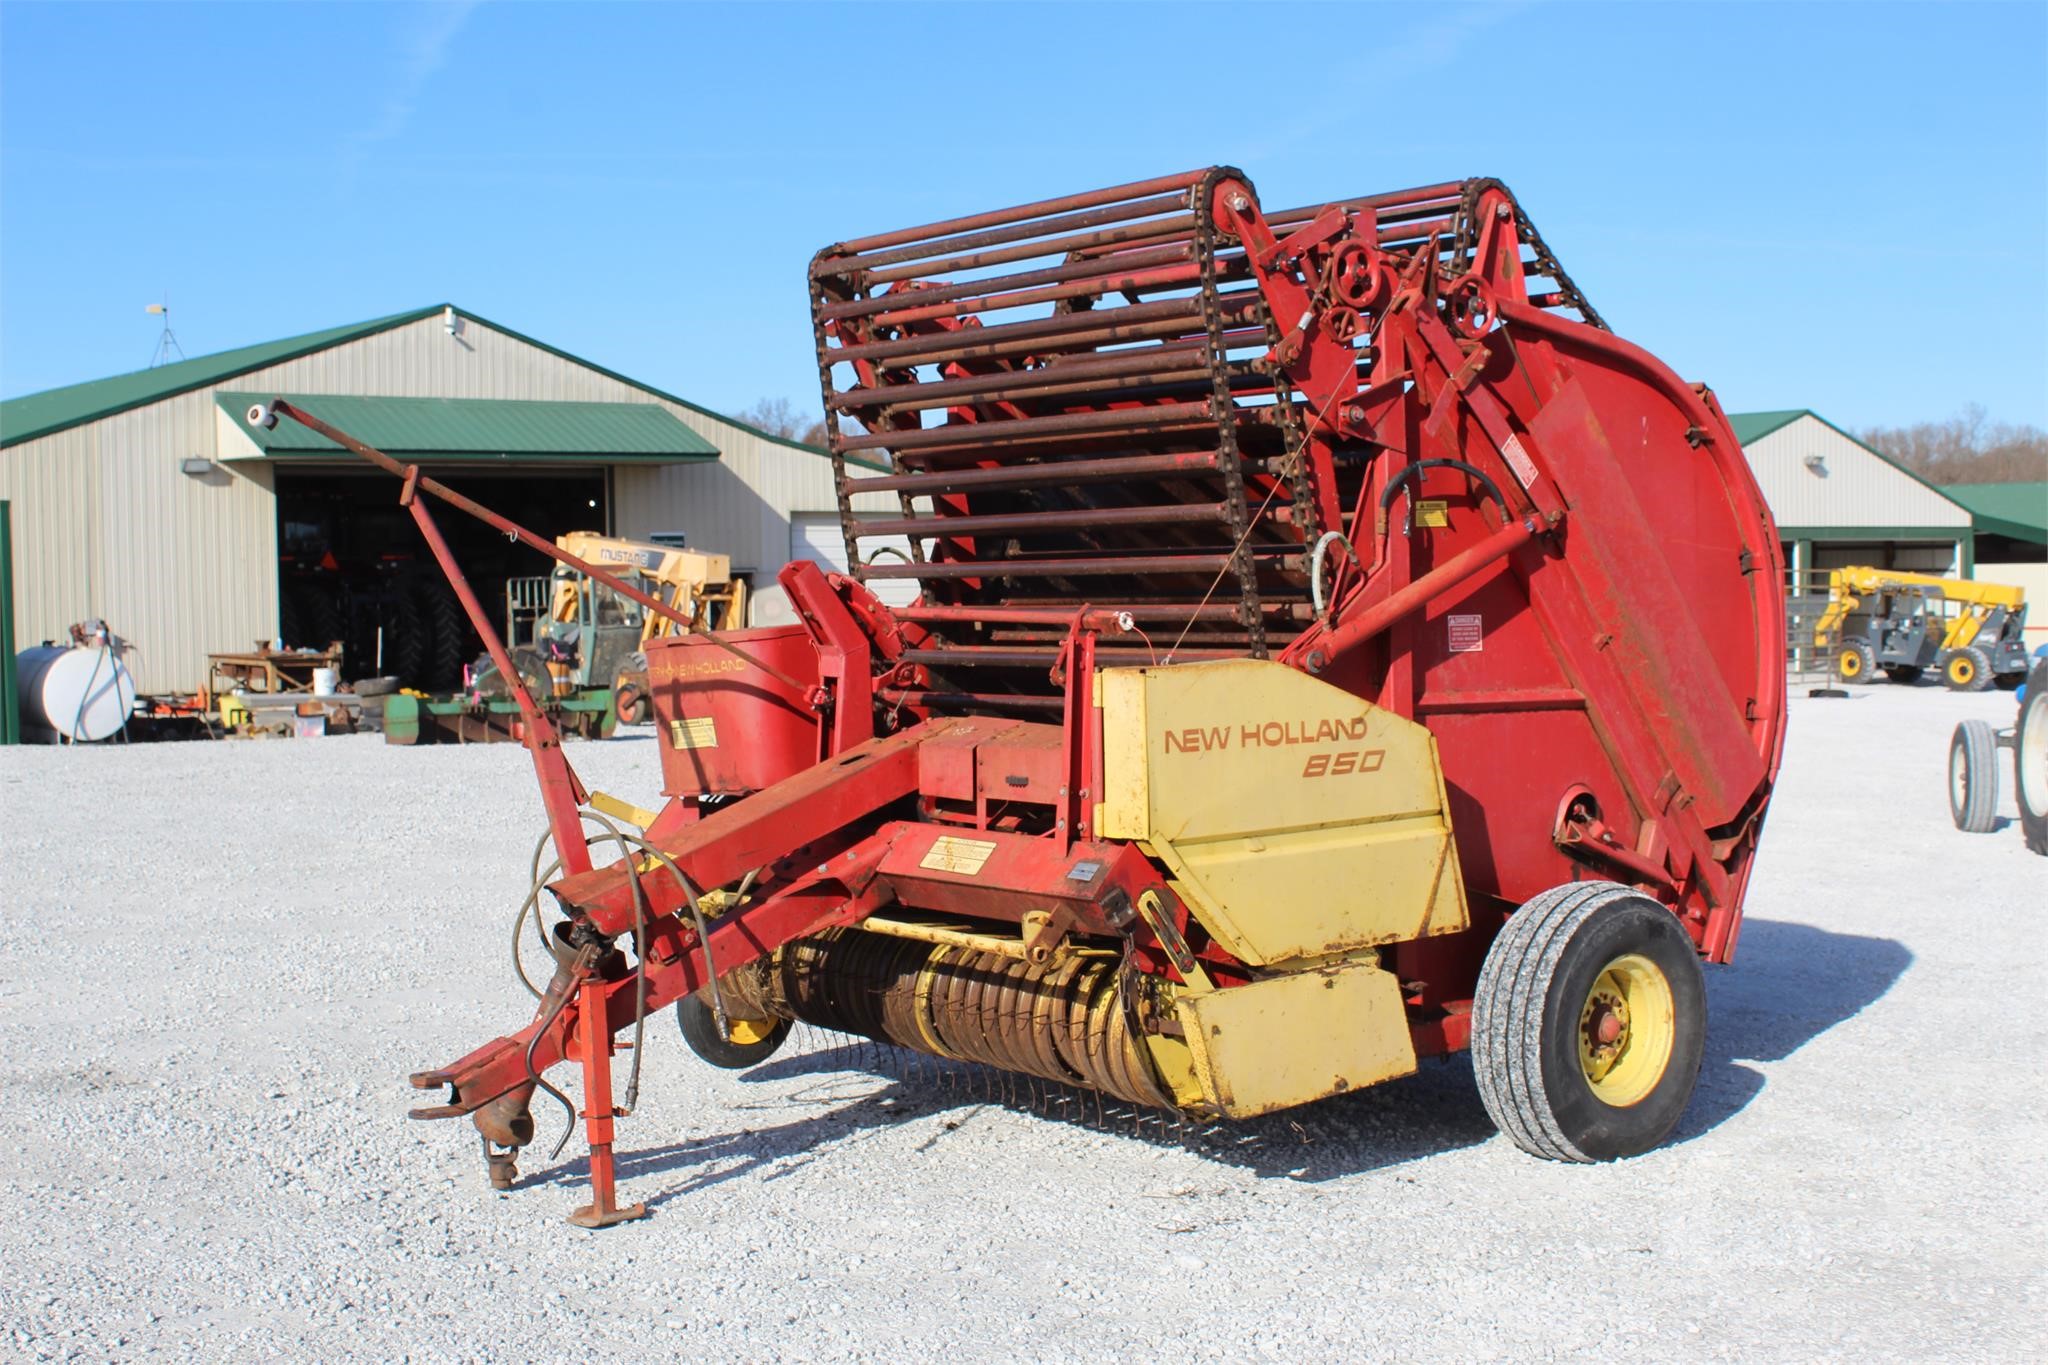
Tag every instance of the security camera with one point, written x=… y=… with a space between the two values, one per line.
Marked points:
x=260 y=415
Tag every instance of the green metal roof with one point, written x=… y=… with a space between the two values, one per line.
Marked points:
x=2018 y=510
x=1754 y=426
x=477 y=429
x=39 y=414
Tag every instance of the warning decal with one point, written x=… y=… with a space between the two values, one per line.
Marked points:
x=962 y=856
x=1518 y=460
x=1468 y=633
x=693 y=733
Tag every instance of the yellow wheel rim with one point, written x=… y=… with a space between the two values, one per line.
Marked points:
x=746 y=1032
x=1626 y=1030
x=1961 y=669
x=1851 y=664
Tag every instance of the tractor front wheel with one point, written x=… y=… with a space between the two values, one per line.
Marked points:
x=748 y=1043
x=1973 y=777
x=1967 y=670
x=2030 y=759
x=1589 y=1023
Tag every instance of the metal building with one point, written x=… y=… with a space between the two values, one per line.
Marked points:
x=143 y=500
x=1837 y=501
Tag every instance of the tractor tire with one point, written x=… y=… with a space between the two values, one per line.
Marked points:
x=753 y=1041
x=291 y=614
x=1973 y=777
x=1904 y=673
x=1967 y=670
x=322 y=621
x=2030 y=759
x=1589 y=1023
x=446 y=631
x=405 y=638
x=1856 y=663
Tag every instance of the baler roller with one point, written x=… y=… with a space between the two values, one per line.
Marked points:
x=1066 y=1021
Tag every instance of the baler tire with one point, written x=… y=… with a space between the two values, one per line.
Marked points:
x=1538 y=978
x=1967 y=670
x=701 y=1032
x=2030 y=759
x=1973 y=777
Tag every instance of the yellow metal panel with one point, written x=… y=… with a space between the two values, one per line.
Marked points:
x=1122 y=811
x=1295 y=1038
x=1299 y=821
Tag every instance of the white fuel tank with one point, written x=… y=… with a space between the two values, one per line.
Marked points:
x=81 y=693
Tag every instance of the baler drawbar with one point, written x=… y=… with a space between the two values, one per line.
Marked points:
x=1333 y=647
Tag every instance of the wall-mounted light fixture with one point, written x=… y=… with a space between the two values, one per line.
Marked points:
x=196 y=465
x=1817 y=464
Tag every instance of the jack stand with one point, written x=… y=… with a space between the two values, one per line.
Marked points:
x=596 y=1041
x=503 y=1167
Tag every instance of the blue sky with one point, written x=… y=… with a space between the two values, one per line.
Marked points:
x=1835 y=206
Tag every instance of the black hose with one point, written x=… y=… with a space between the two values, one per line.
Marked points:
x=1478 y=475
x=531 y=905
x=534 y=1076
x=619 y=837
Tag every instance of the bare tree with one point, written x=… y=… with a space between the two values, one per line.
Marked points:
x=779 y=417
x=776 y=416
x=1966 y=448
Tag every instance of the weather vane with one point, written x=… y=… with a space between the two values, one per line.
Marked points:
x=168 y=341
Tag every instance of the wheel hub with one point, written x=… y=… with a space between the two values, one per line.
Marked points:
x=1626 y=1028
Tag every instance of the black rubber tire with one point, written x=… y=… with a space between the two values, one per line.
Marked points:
x=1856 y=663
x=700 y=1031
x=1904 y=673
x=1967 y=670
x=2030 y=759
x=291 y=615
x=2009 y=682
x=448 y=632
x=1525 y=1014
x=405 y=639
x=323 y=619
x=1973 y=777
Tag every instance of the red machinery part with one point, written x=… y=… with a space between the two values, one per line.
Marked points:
x=729 y=726
x=1131 y=427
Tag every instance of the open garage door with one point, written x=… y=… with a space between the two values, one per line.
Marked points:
x=352 y=566
x=815 y=536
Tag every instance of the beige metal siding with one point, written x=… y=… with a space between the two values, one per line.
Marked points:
x=1851 y=486
x=107 y=525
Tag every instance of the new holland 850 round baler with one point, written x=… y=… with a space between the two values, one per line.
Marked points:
x=1334 y=646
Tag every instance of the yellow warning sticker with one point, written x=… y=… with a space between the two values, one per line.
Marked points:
x=699 y=732
x=963 y=856
x=1432 y=513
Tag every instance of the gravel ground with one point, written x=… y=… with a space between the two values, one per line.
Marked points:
x=222 y=960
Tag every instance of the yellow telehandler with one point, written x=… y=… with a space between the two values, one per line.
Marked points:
x=574 y=635
x=1971 y=631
